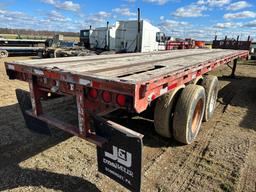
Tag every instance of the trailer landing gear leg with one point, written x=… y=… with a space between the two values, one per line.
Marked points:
x=233 y=75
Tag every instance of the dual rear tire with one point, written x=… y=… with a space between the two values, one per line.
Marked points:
x=164 y=110
x=181 y=112
x=188 y=114
x=211 y=85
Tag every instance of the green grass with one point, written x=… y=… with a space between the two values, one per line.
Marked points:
x=226 y=187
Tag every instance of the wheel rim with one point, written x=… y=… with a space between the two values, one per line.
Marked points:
x=3 y=54
x=197 y=115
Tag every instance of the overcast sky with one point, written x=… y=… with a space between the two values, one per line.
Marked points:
x=200 y=19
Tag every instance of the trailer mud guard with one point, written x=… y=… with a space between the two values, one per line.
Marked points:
x=121 y=157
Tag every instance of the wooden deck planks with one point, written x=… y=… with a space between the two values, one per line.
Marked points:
x=80 y=61
x=130 y=67
x=95 y=63
x=174 y=66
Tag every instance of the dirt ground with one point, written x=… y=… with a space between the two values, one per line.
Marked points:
x=223 y=158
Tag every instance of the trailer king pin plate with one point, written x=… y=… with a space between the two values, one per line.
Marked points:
x=120 y=158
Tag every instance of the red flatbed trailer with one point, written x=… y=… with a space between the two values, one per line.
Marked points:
x=102 y=84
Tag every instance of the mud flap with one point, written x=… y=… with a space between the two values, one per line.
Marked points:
x=32 y=123
x=120 y=158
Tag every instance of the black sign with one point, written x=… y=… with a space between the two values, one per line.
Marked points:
x=120 y=158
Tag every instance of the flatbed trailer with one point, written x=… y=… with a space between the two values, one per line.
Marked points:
x=22 y=42
x=7 y=51
x=102 y=84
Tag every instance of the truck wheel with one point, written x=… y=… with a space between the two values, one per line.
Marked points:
x=57 y=53
x=210 y=84
x=3 y=53
x=188 y=114
x=32 y=123
x=163 y=115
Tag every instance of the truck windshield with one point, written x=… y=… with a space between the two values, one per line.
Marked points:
x=84 y=33
x=160 y=37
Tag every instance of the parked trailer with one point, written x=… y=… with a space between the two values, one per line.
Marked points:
x=175 y=80
x=20 y=46
x=232 y=43
x=6 y=51
x=22 y=42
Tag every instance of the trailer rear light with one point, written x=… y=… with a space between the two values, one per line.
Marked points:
x=93 y=93
x=106 y=96
x=121 y=100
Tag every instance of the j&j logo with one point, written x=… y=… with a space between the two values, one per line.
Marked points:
x=121 y=156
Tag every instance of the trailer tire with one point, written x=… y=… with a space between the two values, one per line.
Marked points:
x=211 y=86
x=197 y=81
x=4 y=54
x=41 y=54
x=32 y=123
x=163 y=114
x=189 y=113
x=51 y=55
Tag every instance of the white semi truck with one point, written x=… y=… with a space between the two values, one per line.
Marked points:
x=127 y=36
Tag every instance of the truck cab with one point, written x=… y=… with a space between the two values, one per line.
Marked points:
x=146 y=39
x=253 y=51
x=125 y=36
x=161 y=39
x=85 y=37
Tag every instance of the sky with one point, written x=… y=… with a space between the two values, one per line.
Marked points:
x=199 y=19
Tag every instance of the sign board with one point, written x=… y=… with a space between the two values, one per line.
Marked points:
x=120 y=158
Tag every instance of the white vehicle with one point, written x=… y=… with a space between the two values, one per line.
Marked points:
x=128 y=36
x=103 y=38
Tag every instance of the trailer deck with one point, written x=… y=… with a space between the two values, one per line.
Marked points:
x=143 y=76
x=131 y=68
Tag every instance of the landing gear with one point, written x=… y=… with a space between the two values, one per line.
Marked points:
x=233 y=75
